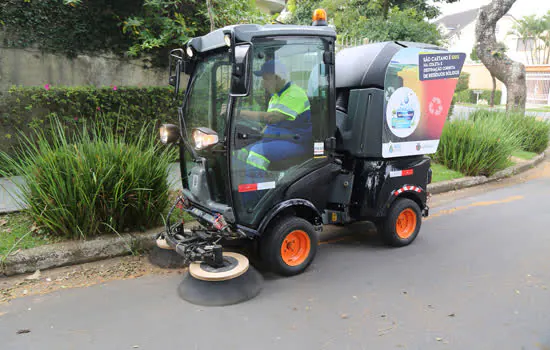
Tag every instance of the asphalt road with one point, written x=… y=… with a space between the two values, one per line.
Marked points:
x=477 y=277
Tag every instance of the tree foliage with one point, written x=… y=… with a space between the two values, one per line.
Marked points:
x=130 y=27
x=405 y=25
x=378 y=20
x=69 y=27
x=166 y=24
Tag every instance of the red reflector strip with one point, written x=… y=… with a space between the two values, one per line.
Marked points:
x=257 y=187
x=248 y=188
x=399 y=173
x=407 y=188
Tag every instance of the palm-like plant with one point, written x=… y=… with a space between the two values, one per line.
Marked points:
x=535 y=30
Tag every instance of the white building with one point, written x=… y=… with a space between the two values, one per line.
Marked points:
x=459 y=31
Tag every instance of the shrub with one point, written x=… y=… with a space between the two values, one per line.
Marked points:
x=479 y=148
x=461 y=85
x=468 y=96
x=533 y=134
x=463 y=82
x=93 y=182
x=462 y=96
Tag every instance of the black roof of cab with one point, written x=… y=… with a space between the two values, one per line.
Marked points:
x=245 y=33
x=365 y=66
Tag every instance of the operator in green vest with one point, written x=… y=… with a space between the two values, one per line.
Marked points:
x=287 y=137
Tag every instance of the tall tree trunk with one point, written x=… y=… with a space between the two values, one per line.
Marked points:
x=511 y=73
x=386 y=8
x=492 y=103
x=209 y=7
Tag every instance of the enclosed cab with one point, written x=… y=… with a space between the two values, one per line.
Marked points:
x=279 y=135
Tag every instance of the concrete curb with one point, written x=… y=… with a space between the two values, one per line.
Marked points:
x=519 y=168
x=73 y=253
x=458 y=184
x=79 y=252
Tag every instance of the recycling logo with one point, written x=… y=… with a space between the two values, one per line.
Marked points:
x=436 y=106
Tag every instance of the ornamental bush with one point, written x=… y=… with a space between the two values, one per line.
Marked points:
x=93 y=181
x=477 y=148
x=533 y=133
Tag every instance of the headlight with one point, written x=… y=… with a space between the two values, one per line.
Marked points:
x=227 y=39
x=189 y=51
x=169 y=133
x=204 y=137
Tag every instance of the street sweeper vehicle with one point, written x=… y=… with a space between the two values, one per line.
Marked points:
x=280 y=134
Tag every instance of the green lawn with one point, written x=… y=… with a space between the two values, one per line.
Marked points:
x=524 y=155
x=496 y=107
x=539 y=109
x=441 y=173
x=14 y=234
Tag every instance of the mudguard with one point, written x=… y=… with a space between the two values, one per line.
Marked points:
x=305 y=209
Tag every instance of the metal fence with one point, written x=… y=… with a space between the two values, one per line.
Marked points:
x=538 y=88
x=346 y=42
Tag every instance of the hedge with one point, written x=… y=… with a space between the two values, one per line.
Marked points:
x=28 y=108
x=468 y=96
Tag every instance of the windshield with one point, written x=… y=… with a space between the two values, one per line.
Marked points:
x=209 y=90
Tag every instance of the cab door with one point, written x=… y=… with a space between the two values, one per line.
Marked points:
x=268 y=156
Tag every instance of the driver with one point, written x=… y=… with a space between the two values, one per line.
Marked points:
x=288 y=122
x=288 y=100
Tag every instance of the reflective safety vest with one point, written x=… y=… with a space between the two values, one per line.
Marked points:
x=291 y=101
x=253 y=159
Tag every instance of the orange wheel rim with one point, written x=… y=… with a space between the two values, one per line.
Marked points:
x=295 y=248
x=406 y=223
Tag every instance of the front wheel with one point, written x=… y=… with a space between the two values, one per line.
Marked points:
x=289 y=246
x=402 y=224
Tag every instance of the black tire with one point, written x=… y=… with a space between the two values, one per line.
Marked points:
x=408 y=231
x=272 y=242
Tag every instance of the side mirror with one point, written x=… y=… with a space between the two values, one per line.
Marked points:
x=175 y=67
x=240 y=77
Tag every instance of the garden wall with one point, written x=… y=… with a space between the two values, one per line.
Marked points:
x=30 y=67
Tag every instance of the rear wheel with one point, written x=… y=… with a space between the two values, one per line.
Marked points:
x=402 y=224
x=289 y=246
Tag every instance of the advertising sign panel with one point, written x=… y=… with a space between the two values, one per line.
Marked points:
x=419 y=88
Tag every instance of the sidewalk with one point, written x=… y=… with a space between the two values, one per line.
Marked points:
x=9 y=192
